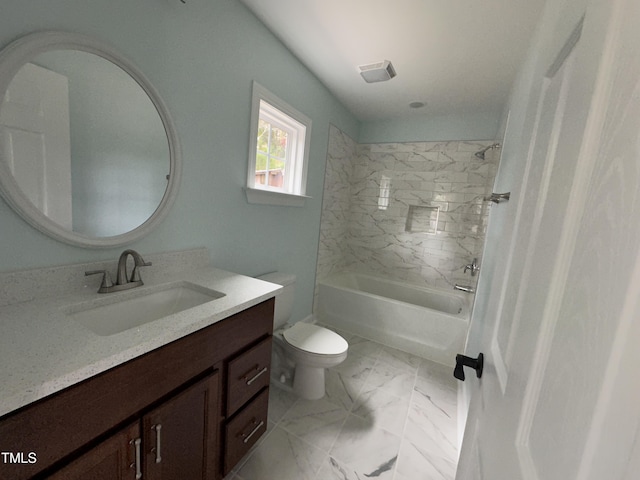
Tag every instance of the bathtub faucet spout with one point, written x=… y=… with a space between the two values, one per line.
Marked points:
x=465 y=288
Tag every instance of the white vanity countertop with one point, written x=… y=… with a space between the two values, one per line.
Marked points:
x=43 y=350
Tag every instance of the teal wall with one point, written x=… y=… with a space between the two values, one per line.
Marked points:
x=426 y=128
x=202 y=58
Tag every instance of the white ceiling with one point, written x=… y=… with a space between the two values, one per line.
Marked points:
x=457 y=56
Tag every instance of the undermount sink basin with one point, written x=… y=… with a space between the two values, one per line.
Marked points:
x=133 y=309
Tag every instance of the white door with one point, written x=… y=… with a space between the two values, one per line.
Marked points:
x=35 y=139
x=558 y=323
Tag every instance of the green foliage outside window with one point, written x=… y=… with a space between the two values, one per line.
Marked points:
x=272 y=147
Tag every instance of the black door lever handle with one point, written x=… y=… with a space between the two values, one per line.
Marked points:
x=463 y=361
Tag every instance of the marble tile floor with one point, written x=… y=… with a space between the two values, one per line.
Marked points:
x=387 y=415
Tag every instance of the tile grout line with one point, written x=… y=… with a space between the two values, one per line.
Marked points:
x=349 y=411
x=406 y=421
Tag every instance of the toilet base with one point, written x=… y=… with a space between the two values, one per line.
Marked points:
x=302 y=372
x=308 y=382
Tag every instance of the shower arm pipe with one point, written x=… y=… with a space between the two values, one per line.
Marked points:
x=498 y=197
x=480 y=154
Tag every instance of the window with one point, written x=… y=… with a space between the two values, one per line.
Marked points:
x=385 y=190
x=278 y=151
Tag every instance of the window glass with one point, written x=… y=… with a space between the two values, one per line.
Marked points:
x=271 y=155
x=280 y=139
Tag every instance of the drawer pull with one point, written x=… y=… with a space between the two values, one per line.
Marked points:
x=157 y=428
x=253 y=432
x=255 y=377
x=136 y=443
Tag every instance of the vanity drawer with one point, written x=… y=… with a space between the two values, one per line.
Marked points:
x=247 y=374
x=243 y=431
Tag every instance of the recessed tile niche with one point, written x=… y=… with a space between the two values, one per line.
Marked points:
x=422 y=219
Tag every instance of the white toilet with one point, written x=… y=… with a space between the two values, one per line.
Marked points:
x=302 y=351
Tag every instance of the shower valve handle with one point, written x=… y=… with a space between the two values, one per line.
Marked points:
x=464 y=361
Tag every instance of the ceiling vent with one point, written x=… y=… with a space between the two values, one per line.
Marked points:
x=377 y=72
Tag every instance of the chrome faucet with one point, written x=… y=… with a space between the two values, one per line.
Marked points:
x=122 y=281
x=135 y=280
x=464 y=288
x=473 y=266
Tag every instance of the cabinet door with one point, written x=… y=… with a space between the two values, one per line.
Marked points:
x=113 y=459
x=179 y=436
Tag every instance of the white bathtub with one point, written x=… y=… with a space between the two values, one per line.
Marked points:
x=427 y=322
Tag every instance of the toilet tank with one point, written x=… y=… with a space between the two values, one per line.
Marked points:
x=284 y=300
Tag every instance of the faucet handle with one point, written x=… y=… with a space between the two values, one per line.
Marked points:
x=473 y=266
x=106 y=279
x=135 y=274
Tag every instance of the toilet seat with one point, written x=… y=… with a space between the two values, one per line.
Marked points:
x=314 y=339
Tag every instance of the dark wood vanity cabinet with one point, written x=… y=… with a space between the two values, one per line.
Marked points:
x=174 y=441
x=188 y=410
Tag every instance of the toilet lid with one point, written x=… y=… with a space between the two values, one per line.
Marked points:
x=315 y=339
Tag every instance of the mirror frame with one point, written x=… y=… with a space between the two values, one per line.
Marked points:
x=23 y=50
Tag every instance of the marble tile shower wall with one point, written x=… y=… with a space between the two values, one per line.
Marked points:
x=445 y=175
x=336 y=202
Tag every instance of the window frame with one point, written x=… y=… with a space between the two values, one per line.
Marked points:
x=282 y=115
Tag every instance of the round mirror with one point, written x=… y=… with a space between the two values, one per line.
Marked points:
x=88 y=152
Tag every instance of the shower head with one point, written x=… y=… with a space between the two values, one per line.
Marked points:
x=481 y=153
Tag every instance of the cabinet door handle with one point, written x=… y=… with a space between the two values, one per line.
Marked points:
x=253 y=432
x=157 y=448
x=255 y=377
x=136 y=445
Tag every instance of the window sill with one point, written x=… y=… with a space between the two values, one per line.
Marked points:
x=266 y=197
